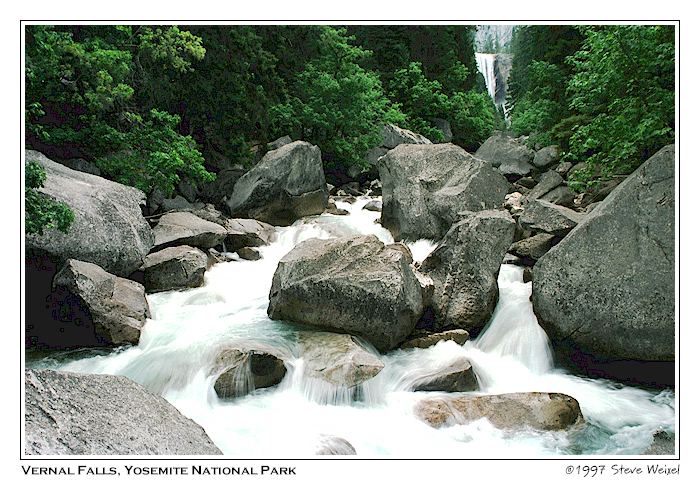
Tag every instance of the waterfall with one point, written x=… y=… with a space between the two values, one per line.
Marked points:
x=179 y=346
x=486 y=63
x=495 y=68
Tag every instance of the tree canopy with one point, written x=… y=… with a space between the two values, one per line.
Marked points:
x=604 y=94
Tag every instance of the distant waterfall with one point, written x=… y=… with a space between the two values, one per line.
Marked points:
x=495 y=67
x=486 y=63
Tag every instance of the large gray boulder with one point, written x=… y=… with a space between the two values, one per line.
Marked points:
x=548 y=182
x=464 y=269
x=286 y=185
x=510 y=156
x=186 y=228
x=78 y=414
x=174 y=268
x=217 y=192
x=355 y=285
x=93 y=307
x=280 y=142
x=445 y=127
x=532 y=248
x=338 y=359
x=426 y=186
x=510 y=411
x=109 y=229
x=607 y=289
x=562 y=195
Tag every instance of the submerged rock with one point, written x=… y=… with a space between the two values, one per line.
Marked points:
x=247 y=232
x=663 y=443
x=458 y=336
x=510 y=411
x=248 y=253
x=337 y=359
x=455 y=377
x=464 y=268
x=78 y=414
x=607 y=289
x=425 y=187
x=286 y=185
x=373 y=206
x=330 y=445
x=352 y=284
x=174 y=268
x=241 y=369
x=108 y=230
x=93 y=307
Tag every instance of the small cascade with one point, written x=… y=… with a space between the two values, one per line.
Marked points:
x=513 y=330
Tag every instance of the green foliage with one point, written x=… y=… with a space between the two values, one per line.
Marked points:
x=149 y=103
x=171 y=48
x=81 y=85
x=605 y=94
x=440 y=49
x=421 y=100
x=159 y=157
x=542 y=106
x=335 y=103
x=624 y=82
x=471 y=114
x=41 y=212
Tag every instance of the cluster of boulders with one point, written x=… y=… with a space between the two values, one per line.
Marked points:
x=361 y=287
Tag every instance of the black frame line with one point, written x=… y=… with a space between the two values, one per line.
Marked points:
x=571 y=458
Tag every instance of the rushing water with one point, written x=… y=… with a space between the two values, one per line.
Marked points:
x=179 y=344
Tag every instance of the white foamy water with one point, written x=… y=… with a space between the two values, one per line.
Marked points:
x=179 y=344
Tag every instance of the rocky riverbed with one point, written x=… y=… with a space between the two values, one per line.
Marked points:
x=384 y=314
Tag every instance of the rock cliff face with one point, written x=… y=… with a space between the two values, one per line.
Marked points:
x=502 y=66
